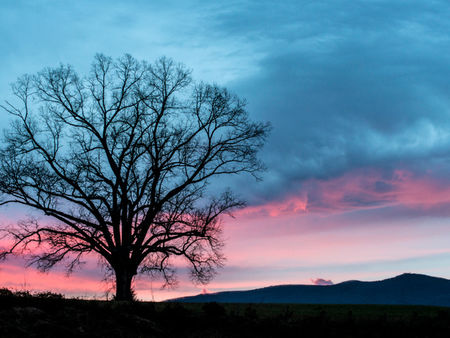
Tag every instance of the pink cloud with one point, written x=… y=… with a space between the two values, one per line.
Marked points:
x=372 y=188
x=320 y=281
x=292 y=204
x=360 y=189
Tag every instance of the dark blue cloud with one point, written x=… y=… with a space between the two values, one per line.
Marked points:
x=346 y=85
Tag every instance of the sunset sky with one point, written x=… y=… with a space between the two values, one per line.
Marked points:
x=358 y=95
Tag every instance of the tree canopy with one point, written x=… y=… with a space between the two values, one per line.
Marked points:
x=120 y=161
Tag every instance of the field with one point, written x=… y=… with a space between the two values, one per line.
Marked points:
x=50 y=315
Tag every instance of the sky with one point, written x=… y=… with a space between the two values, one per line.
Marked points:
x=358 y=161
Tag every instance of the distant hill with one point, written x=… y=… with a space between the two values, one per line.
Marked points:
x=405 y=289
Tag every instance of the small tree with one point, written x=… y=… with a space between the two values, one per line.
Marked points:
x=120 y=162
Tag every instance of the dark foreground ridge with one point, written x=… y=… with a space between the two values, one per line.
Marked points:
x=50 y=315
x=406 y=289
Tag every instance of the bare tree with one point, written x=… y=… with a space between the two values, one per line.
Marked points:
x=121 y=161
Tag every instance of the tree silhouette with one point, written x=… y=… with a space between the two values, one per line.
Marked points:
x=121 y=161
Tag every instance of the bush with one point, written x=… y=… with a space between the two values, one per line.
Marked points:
x=49 y=295
x=5 y=292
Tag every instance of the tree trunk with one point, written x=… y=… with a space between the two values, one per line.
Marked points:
x=123 y=285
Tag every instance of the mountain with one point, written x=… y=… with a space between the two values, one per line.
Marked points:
x=405 y=289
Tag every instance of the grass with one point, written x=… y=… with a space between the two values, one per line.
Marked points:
x=51 y=315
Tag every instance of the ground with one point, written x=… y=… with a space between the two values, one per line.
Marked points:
x=50 y=315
